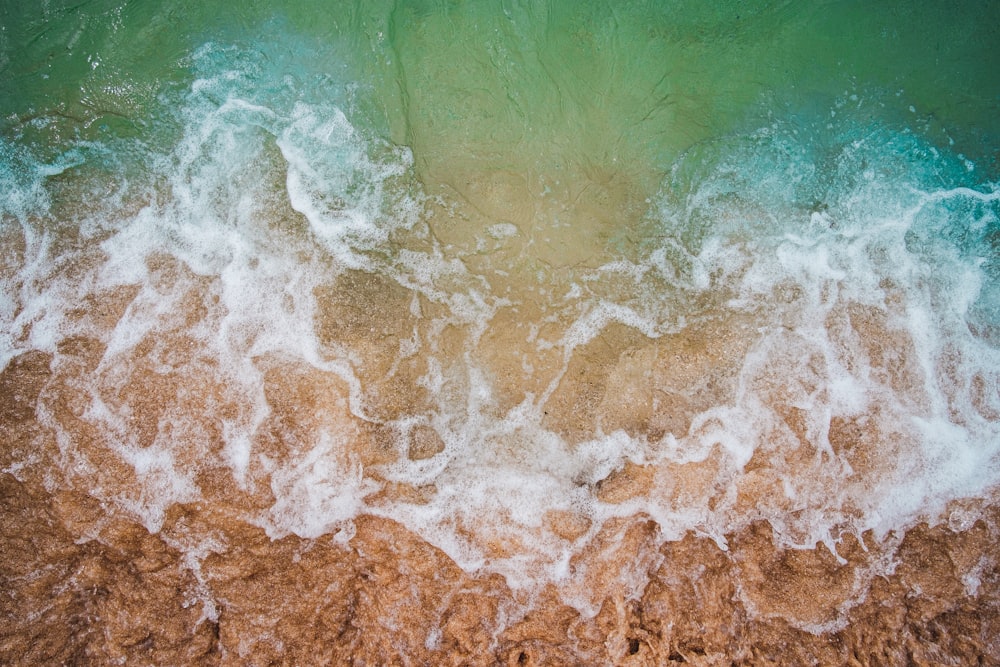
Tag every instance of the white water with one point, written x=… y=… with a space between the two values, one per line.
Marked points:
x=784 y=289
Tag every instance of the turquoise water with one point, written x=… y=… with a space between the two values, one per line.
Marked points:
x=448 y=261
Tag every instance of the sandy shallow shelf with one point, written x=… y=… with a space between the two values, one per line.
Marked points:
x=83 y=587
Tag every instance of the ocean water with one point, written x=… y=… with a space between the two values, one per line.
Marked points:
x=504 y=271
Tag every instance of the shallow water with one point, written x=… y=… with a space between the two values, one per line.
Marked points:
x=508 y=275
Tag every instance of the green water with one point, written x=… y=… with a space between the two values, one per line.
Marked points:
x=559 y=117
x=548 y=87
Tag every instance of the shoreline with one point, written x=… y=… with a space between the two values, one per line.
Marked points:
x=87 y=587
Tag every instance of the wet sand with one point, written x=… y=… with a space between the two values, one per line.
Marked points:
x=82 y=587
x=85 y=583
x=134 y=533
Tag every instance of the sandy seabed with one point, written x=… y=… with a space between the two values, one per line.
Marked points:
x=128 y=597
x=85 y=581
x=84 y=585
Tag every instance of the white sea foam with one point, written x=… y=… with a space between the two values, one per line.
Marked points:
x=861 y=295
x=860 y=251
x=318 y=493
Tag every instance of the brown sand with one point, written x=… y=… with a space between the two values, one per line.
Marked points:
x=83 y=587
x=83 y=584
